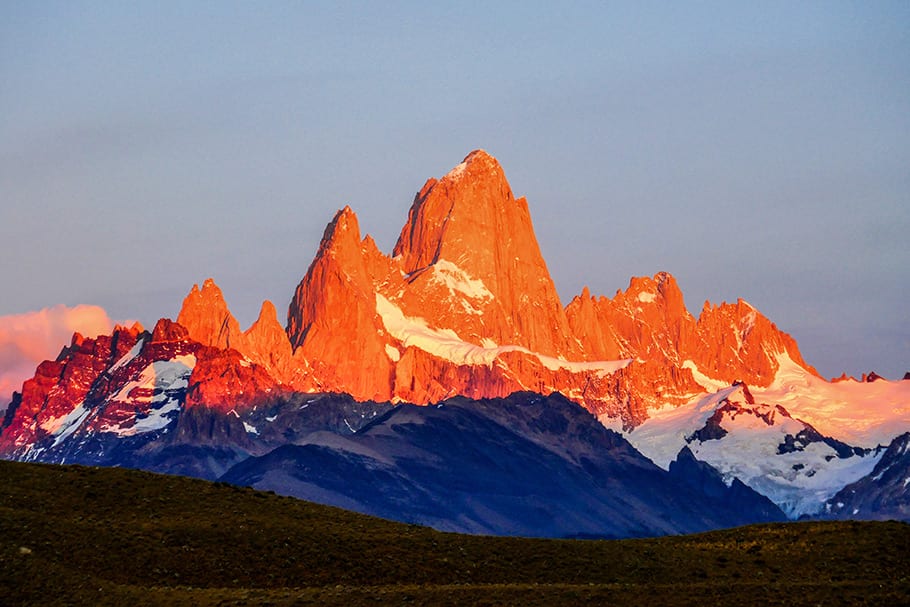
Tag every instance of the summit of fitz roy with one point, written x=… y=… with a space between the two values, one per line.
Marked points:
x=446 y=384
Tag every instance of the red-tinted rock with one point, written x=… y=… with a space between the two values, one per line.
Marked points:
x=332 y=321
x=207 y=318
x=224 y=380
x=649 y=322
x=473 y=264
x=167 y=330
x=267 y=344
x=60 y=386
x=737 y=342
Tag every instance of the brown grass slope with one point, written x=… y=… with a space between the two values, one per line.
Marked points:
x=93 y=536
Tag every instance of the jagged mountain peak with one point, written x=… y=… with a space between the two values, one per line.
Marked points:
x=205 y=314
x=340 y=232
x=468 y=284
x=662 y=289
x=467 y=306
x=469 y=206
x=135 y=328
x=469 y=246
x=208 y=292
x=267 y=344
x=267 y=312
x=332 y=320
x=739 y=342
x=167 y=330
x=342 y=242
x=478 y=165
x=344 y=218
x=207 y=297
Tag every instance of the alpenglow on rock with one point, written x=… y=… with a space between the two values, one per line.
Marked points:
x=465 y=305
x=465 y=308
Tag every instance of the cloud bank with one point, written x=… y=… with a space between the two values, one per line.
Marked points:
x=32 y=337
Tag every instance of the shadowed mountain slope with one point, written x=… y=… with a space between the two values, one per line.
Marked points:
x=86 y=536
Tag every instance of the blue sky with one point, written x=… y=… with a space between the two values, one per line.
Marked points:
x=754 y=150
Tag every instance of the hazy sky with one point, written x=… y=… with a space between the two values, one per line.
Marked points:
x=757 y=149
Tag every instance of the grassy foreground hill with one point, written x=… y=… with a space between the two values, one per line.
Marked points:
x=95 y=536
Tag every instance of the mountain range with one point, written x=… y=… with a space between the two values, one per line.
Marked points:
x=605 y=417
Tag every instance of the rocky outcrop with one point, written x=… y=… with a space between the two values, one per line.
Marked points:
x=208 y=320
x=648 y=321
x=465 y=305
x=737 y=342
x=206 y=317
x=225 y=381
x=266 y=343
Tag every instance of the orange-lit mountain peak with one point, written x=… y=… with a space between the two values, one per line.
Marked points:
x=343 y=229
x=267 y=313
x=206 y=316
x=451 y=215
x=469 y=245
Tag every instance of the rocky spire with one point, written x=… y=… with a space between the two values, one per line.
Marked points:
x=332 y=318
x=267 y=343
x=469 y=232
x=206 y=316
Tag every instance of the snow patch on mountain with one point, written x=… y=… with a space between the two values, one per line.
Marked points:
x=647 y=297
x=799 y=482
x=457 y=171
x=759 y=444
x=157 y=419
x=663 y=435
x=458 y=281
x=156 y=379
x=446 y=344
x=158 y=387
x=66 y=425
x=126 y=358
x=711 y=385
x=393 y=353
x=866 y=414
x=600 y=367
x=443 y=343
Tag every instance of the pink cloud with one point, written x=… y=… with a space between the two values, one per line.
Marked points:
x=32 y=337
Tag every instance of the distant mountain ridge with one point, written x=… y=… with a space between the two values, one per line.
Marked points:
x=523 y=465
x=463 y=307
